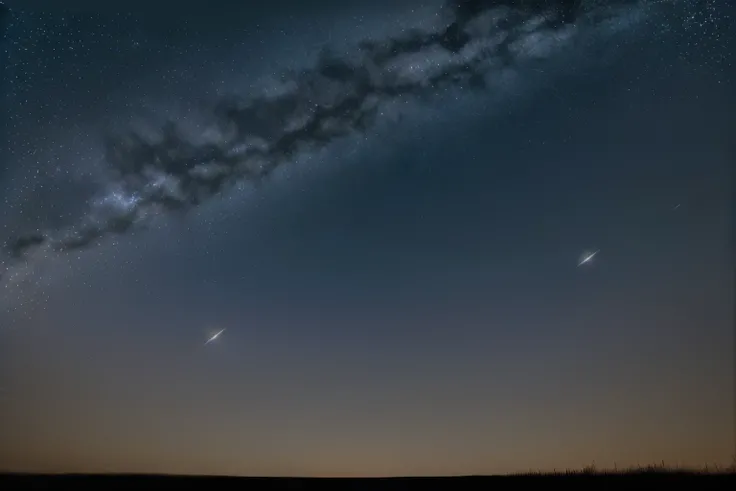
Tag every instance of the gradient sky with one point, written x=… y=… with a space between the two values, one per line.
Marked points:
x=405 y=300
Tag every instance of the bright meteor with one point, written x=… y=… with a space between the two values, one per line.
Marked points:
x=587 y=257
x=214 y=336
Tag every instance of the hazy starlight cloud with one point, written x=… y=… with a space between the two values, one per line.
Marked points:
x=153 y=172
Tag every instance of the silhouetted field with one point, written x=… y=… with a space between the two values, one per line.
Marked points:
x=650 y=476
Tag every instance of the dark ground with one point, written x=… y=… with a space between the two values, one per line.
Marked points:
x=111 y=482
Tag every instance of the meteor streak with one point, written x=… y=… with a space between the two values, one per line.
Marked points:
x=214 y=336
x=587 y=257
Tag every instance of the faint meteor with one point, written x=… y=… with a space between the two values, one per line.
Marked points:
x=214 y=336
x=587 y=257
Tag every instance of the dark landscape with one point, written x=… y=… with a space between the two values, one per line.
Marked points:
x=645 y=476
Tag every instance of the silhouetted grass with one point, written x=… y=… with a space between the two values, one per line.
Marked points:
x=651 y=469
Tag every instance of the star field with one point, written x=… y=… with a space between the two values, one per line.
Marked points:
x=365 y=239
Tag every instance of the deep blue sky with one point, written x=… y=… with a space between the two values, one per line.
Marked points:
x=405 y=300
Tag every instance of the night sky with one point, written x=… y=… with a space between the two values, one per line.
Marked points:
x=433 y=239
